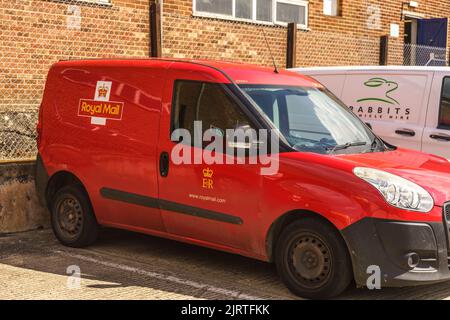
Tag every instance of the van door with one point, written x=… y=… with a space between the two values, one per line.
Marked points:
x=118 y=154
x=393 y=103
x=212 y=203
x=436 y=137
x=333 y=82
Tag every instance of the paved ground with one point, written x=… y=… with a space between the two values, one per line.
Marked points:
x=124 y=265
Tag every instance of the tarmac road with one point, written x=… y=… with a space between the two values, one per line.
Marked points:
x=124 y=265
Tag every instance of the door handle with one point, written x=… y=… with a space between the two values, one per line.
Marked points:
x=164 y=164
x=440 y=137
x=405 y=132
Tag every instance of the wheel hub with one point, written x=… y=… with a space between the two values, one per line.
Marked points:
x=310 y=260
x=70 y=216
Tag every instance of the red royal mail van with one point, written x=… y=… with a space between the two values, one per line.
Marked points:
x=341 y=204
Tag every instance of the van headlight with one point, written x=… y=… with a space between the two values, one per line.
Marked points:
x=397 y=191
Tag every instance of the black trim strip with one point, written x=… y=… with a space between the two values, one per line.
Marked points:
x=128 y=197
x=145 y=201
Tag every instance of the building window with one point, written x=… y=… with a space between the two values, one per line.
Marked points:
x=290 y=12
x=224 y=7
x=331 y=7
x=101 y=2
x=258 y=11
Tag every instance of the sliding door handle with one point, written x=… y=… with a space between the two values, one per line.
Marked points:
x=405 y=132
x=440 y=137
x=164 y=164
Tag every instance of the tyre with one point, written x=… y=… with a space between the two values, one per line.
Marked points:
x=312 y=260
x=72 y=217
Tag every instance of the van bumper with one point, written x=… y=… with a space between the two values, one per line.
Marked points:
x=387 y=245
x=41 y=181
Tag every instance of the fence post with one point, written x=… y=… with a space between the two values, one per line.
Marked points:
x=291 y=56
x=155 y=29
x=384 y=50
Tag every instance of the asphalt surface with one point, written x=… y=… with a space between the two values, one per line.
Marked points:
x=124 y=265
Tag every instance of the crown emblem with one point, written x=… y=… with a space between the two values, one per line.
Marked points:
x=102 y=92
x=208 y=173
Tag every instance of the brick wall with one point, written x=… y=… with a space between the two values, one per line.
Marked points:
x=37 y=33
x=349 y=39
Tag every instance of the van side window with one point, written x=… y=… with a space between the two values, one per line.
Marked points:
x=444 y=112
x=205 y=102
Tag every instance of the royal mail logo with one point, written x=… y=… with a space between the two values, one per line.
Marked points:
x=100 y=109
x=102 y=92
x=207 y=181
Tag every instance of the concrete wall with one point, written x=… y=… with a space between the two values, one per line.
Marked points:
x=19 y=207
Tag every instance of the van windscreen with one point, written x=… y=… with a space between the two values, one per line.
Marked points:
x=313 y=120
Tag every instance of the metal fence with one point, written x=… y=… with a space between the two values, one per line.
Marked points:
x=18 y=135
x=418 y=55
x=34 y=34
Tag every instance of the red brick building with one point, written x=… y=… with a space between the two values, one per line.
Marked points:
x=331 y=32
x=36 y=33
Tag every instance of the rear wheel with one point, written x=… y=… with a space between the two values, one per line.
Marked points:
x=73 y=220
x=312 y=260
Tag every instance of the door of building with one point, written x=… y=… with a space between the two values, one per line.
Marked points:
x=432 y=41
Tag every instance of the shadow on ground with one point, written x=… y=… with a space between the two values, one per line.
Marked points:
x=124 y=259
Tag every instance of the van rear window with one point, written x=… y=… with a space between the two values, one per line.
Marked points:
x=444 y=112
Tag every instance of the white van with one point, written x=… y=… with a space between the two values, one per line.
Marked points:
x=406 y=106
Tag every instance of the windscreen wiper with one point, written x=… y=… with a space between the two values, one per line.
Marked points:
x=346 y=146
x=374 y=144
x=377 y=144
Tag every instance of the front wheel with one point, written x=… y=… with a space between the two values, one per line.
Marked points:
x=312 y=260
x=73 y=219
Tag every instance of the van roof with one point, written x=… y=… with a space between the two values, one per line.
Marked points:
x=240 y=73
x=376 y=68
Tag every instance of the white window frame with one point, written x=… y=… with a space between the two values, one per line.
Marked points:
x=331 y=14
x=233 y=17
x=294 y=2
x=98 y=2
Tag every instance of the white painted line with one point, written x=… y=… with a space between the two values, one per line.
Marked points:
x=160 y=276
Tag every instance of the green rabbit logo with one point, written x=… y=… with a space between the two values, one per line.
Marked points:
x=390 y=86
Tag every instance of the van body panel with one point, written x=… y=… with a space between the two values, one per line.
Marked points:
x=241 y=74
x=384 y=111
x=404 y=102
x=122 y=153
x=412 y=165
x=334 y=83
x=110 y=124
x=184 y=184
x=432 y=143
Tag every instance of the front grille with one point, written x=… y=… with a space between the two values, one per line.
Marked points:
x=446 y=217
x=447 y=211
